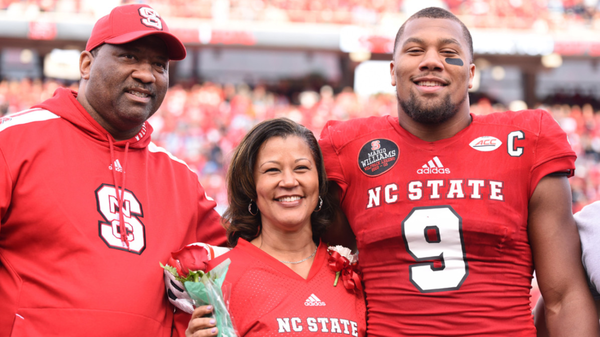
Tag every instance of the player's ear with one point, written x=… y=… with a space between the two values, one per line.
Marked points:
x=85 y=64
x=471 y=74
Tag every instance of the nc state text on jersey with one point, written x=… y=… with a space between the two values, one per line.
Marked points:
x=437 y=189
x=319 y=324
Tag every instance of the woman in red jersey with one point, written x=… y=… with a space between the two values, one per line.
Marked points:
x=282 y=284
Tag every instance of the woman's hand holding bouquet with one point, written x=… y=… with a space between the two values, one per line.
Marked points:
x=189 y=285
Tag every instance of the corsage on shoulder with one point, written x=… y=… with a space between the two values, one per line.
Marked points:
x=345 y=265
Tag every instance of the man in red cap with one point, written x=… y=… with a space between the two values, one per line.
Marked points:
x=88 y=205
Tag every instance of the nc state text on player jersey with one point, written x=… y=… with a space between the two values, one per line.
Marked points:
x=437 y=189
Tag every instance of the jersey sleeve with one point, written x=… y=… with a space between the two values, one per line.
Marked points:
x=553 y=152
x=209 y=229
x=333 y=165
x=588 y=223
x=6 y=186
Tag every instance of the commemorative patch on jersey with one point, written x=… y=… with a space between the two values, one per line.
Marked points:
x=377 y=156
x=485 y=143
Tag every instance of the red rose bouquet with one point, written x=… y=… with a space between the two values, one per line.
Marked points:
x=188 y=266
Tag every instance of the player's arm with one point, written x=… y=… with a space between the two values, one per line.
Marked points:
x=539 y=318
x=339 y=232
x=568 y=304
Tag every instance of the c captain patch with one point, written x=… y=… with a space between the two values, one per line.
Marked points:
x=377 y=156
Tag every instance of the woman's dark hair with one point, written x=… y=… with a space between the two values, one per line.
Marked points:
x=241 y=187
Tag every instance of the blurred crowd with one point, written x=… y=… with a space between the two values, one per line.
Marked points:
x=515 y=14
x=202 y=123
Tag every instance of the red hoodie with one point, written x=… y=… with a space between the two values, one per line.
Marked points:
x=65 y=270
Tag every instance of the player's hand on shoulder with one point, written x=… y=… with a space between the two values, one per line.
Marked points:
x=202 y=324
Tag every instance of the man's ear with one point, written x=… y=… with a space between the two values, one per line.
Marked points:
x=393 y=73
x=85 y=64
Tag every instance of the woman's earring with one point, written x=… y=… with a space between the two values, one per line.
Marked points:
x=320 y=205
x=250 y=207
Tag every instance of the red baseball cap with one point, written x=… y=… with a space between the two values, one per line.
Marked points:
x=131 y=22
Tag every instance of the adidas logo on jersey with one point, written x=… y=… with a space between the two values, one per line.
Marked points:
x=314 y=301
x=433 y=166
x=117 y=166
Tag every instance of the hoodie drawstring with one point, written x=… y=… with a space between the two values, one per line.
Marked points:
x=120 y=191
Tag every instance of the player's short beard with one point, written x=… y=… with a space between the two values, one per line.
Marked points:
x=432 y=114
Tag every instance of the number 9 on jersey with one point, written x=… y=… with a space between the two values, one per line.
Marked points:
x=434 y=238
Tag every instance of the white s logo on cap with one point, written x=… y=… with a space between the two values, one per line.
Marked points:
x=150 y=18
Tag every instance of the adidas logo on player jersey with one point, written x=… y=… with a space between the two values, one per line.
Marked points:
x=433 y=166
x=117 y=165
x=313 y=301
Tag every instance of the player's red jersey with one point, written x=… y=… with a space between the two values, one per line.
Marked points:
x=64 y=270
x=270 y=299
x=442 y=226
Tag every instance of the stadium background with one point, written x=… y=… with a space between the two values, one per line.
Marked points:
x=316 y=60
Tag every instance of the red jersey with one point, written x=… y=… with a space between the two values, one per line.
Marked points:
x=441 y=226
x=64 y=269
x=270 y=299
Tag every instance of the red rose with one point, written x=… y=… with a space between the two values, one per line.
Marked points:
x=189 y=258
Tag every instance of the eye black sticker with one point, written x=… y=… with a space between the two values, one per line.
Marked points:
x=377 y=156
x=454 y=61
